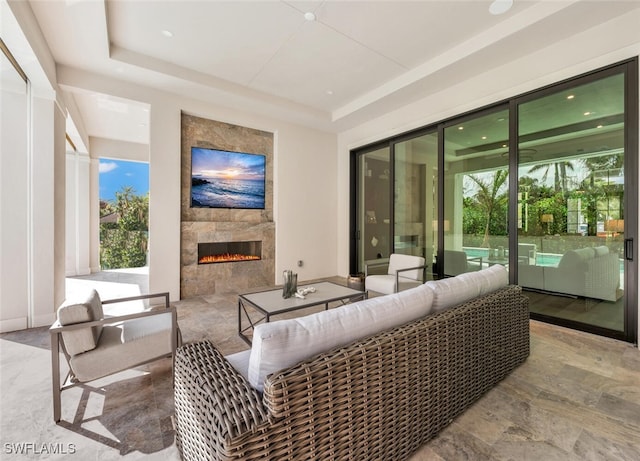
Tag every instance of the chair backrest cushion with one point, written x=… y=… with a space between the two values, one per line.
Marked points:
x=455 y=262
x=281 y=344
x=400 y=261
x=85 y=308
x=452 y=291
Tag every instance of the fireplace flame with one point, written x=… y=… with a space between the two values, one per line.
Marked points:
x=226 y=257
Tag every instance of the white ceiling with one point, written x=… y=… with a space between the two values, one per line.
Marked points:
x=357 y=60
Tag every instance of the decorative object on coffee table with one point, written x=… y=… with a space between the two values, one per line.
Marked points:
x=290 y=284
x=356 y=281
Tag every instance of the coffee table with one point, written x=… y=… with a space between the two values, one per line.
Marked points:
x=269 y=303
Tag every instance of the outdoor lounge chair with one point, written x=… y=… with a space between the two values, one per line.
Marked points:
x=96 y=345
x=405 y=271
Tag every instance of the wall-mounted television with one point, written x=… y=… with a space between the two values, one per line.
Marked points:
x=225 y=179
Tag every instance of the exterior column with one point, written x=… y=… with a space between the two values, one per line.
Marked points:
x=78 y=219
x=94 y=215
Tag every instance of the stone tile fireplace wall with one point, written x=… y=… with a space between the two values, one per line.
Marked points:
x=205 y=225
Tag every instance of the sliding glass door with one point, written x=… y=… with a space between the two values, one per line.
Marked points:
x=374 y=204
x=397 y=197
x=571 y=187
x=415 y=197
x=544 y=184
x=476 y=194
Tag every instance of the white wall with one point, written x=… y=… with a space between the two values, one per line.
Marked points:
x=305 y=183
x=13 y=208
x=600 y=46
x=33 y=176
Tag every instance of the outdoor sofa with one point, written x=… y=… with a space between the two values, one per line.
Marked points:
x=379 y=397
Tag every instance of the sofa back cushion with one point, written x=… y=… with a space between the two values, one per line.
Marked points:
x=573 y=258
x=281 y=344
x=601 y=251
x=452 y=291
x=85 y=308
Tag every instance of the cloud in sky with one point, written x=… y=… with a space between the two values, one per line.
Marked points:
x=106 y=167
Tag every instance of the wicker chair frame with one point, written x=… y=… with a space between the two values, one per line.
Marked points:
x=377 y=398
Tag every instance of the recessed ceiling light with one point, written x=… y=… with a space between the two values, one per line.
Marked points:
x=484 y=137
x=461 y=128
x=587 y=113
x=571 y=96
x=599 y=126
x=309 y=16
x=167 y=33
x=500 y=6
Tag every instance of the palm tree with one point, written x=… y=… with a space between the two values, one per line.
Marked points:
x=559 y=173
x=489 y=197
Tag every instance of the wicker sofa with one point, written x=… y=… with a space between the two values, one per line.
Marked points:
x=379 y=397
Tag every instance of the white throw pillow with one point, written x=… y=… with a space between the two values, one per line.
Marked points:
x=86 y=308
x=452 y=291
x=284 y=343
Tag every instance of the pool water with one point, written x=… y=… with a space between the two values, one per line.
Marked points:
x=542 y=259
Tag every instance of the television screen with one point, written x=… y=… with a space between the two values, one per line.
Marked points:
x=223 y=179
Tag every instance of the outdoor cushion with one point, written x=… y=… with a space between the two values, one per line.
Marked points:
x=83 y=309
x=574 y=257
x=399 y=261
x=281 y=344
x=452 y=291
x=124 y=345
x=601 y=250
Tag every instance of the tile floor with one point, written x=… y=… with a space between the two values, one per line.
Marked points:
x=577 y=397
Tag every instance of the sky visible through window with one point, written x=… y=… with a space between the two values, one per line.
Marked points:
x=116 y=174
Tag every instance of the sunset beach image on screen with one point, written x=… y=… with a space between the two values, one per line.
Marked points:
x=225 y=179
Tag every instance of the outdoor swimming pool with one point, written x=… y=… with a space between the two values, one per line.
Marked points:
x=542 y=259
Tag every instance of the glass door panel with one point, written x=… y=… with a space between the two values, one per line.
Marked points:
x=476 y=193
x=375 y=242
x=571 y=195
x=416 y=197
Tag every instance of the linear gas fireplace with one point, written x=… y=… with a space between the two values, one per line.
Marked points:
x=225 y=252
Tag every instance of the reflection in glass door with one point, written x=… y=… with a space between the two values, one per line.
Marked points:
x=571 y=218
x=416 y=197
x=476 y=193
x=374 y=226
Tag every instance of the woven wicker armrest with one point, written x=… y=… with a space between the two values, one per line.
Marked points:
x=211 y=394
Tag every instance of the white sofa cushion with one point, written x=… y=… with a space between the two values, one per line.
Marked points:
x=572 y=258
x=281 y=344
x=601 y=251
x=452 y=291
x=85 y=308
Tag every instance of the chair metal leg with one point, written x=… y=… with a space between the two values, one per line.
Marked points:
x=55 y=376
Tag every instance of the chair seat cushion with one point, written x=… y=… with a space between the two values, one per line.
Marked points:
x=281 y=344
x=125 y=345
x=85 y=308
x=240 y=361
